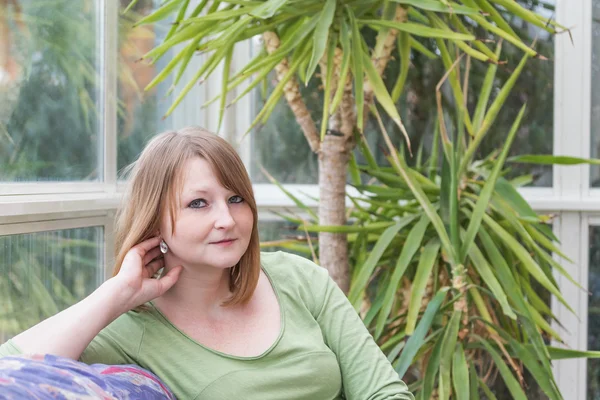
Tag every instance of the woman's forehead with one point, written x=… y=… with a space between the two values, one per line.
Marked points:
x=198 y=176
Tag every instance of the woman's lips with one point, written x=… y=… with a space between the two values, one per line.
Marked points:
x=224 y=243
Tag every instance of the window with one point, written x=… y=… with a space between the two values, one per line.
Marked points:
x=139 y=112
x=49 y=92
x=593 y=365
x=595 y=81
x=43 y=273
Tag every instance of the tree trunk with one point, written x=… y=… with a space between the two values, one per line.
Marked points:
x=333 y=247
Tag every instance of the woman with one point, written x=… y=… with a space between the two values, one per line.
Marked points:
x=222 y=321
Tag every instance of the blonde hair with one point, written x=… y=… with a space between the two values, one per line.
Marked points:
x=155 y=181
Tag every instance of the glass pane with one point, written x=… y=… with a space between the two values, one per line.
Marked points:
x=49 y=126
x=274 y=232
x=140 y=112
x=44 y=273
x=593 y=365
x=595 y=112
x=280 y=147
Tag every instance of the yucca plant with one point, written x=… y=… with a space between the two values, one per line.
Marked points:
x=301 y=36
x=453 y=270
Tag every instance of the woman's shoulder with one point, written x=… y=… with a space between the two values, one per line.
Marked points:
x=291 y=266
x=298 y=279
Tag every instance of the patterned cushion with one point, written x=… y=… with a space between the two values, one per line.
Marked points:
x=51 y=377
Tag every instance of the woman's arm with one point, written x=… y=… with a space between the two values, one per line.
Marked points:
x=69 y=332
x=366 y=371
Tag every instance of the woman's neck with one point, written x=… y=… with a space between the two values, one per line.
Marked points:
x=199 y=291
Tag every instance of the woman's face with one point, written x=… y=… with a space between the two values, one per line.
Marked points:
x=213 y=225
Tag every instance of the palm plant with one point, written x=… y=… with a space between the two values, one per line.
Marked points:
x=453 y=269
x=303 y=35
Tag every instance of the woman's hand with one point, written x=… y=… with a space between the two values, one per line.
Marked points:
x=134 y=280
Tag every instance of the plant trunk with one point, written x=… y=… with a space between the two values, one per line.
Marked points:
x=333 y=247
x=333 y=167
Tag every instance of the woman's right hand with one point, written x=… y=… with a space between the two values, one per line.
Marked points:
x=134 y=280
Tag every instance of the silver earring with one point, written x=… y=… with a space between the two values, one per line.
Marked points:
x=163 y=247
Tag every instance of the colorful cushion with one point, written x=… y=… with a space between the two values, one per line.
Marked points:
x=51 y=377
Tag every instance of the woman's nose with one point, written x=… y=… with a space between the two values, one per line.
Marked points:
x=223 y=218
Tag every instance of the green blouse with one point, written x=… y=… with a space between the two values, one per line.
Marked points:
x=323 y=350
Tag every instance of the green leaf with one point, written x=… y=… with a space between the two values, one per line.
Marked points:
x=353 y=170
x=432 y=368
x=512 y=288
x=226 y=71
x=268 y=9
x=491 y=115
x=552 y=160
x=417 y=339
x=417 y=29
x=523 y=13
x=531 y=266
x=418 y=46
x=558 y=353
x=404 y=40
x=130 y=6
x=357 y=68
x=503 y=34
x=474 y=383
x=161 y=13
x=382 y=95
x=437 y=6
x=427 y=259
x=321 y=37
x=278 y=91
x=296 y=201
x=180 y=16
x=369 y=227
x=543 y=376
x=410 y=248
x=366 y=270
x=448 y=346
x=508 y=193
x=328 y=85
x=511 y=382
x=490 y=395
x=460 y=374
x=345 y=67
x=488 y=189
x=485 y=271
x=213 y=61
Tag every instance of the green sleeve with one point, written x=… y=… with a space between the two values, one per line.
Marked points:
x=366 y=371
x=116 y=344
x=9 y=349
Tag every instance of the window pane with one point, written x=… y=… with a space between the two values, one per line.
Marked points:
x=274 y=234
x=44 y=273
x=593 y=365
x=595 y=112
x=280 y=146
x=49 y=96
x=140 y=112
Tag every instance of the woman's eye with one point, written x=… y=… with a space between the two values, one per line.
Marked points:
x=198 y=203
x=235 y=199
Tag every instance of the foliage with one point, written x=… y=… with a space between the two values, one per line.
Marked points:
x=294 y=162
x=310 y=33
x=452 y=267
x=44 y=273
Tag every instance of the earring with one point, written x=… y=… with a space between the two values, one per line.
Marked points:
x=163 y=247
